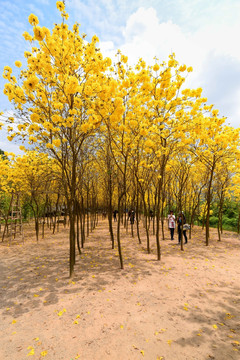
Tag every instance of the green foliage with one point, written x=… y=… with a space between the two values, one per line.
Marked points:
x=229 y=222
x=2 y=154
x=27 y=211
x=4 y=203
x=230 y=215
x=213 y=220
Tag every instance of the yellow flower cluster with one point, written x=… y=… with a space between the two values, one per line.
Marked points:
x=60 y=5
x=18 y=64
x=72 y=85
x=33 y=20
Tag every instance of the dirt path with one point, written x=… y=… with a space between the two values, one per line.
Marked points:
x=185 y=307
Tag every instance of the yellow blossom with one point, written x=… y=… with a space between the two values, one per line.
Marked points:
x=60 y=5
x=18 y=63
x=39 y=34
x=156 y=67
x=33 y=19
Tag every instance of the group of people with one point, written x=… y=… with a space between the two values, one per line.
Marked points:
x=172 y=222
x=131 y=216
x=181 y=220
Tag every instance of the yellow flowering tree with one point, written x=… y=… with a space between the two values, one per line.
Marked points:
x=213 y=143
x=56 y=98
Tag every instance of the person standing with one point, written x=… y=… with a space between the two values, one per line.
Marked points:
x=181 y=220
x=132 y=217
x=171 y=224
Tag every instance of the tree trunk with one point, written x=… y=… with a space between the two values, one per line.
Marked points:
x=72 y=241
x=78 y=230
x=146 y=224
x=137 y=217
x=118 y=232
x=158 y=219
x=209 y=204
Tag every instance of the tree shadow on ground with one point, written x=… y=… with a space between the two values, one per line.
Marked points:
x=35 y=274
x=218 y=326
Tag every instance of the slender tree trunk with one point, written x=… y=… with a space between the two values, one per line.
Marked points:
x=43 y=226
x=72 y=241
x=82 y=223
x=238 y=224
x=88 y=223
x=118 y=231
x=137 y=216
x=37 y=227
x=159 y=187
x=209 y=204
x=146 y=224
x=110 y=211
x=78 y=229
x=181 y=227
x=72 y=219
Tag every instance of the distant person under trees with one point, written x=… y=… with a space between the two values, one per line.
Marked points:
x=181 y=220
x=132 y=216
x=151 y=214
x=171 y=224
x=115 y=215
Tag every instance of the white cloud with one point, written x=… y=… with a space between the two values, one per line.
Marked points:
x=8 y=146
x=146 y=37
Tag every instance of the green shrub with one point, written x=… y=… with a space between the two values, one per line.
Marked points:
x=229 y=222
x=213 y=220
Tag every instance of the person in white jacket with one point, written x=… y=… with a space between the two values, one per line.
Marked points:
x=171 y=224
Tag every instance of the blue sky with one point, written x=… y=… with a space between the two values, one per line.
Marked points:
x=203 y=34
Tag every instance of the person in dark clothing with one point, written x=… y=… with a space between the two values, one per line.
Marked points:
x=132 y=217
x=181 y=220
x=151 y=214
x=115 y=215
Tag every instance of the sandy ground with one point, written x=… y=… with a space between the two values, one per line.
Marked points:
x=187 y=306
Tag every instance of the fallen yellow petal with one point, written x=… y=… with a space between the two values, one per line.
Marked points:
x=31 y=352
